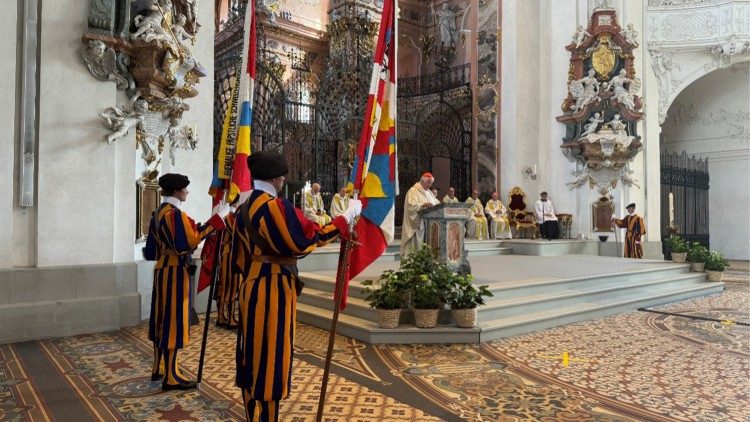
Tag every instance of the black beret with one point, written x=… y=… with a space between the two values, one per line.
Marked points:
x=173 y=182
x=631 y=205
x=266 y=165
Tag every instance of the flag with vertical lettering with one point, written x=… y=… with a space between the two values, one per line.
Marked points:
x=230 y=168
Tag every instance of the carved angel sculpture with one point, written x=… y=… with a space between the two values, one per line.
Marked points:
x=584 y=90
x=630 y=34
x=617 y=125
x=149 y=25
x=121 y=119
x=180 y=137
x=592 y=125
x=580 y=35
x=272 y=8
x=102 y=63
x=625 y=95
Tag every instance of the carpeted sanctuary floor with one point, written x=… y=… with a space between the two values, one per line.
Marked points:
x=690 y=362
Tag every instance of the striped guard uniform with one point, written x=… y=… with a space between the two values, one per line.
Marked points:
x=228 y=283
x=268 y=297
x=170 y=246
x=636 y=229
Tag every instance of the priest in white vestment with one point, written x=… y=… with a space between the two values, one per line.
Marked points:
x=450 y=197
x=476 y=226
x=544 y=214
x=314 y=209
x=418 y=198
x=500 y=224
x=339 y=203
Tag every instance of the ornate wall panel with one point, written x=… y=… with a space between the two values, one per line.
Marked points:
x=690 y=38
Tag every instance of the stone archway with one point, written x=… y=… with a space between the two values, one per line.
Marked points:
x=710 y=120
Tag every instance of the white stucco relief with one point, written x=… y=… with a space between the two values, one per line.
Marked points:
x=688 y=39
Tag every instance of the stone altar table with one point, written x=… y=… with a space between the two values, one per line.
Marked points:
x=445 y=230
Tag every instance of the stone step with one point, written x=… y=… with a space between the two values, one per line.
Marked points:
x=508 y=307
x=366 y=329
x=327 y=257
x=521 y=324
x=519 y=288
x=369 y=332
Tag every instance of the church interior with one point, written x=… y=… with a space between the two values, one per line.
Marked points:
x=578 y=169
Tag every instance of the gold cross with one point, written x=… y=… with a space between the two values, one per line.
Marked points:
x=566 y=359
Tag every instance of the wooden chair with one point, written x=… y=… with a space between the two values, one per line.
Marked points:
x=522 y=219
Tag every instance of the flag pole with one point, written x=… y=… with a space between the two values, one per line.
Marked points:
x=212 y=287
x=345 y=254
x=372 y=122
x=248 y=68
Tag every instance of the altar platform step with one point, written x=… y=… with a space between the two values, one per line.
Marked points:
x=326 y=257
x=530 y=293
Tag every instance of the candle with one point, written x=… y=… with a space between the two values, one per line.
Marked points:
x=671 y=209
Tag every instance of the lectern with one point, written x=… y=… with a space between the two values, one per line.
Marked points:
x=445 y=229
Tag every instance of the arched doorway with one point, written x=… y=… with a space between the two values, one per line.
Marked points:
x=710 y=120
x=438 y=140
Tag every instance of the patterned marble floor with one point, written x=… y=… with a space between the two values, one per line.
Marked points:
x=633 y=366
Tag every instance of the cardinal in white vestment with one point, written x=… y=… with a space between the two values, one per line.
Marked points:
x=476 y=226
x=339 y=203
x=314 y=209
x=412 y=229
x=500 y=225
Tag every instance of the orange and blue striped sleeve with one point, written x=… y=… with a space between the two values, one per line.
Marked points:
x=289 y=233
x=186 y=234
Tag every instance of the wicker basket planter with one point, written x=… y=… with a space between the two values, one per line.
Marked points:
x=388 y=318
x=714 y=275
x=679 y=257
x=697 y=266
x=426 y=318
x=465 y=318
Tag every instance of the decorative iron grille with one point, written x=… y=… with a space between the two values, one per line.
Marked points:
x=686 y=178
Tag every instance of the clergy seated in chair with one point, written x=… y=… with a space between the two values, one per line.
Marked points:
x=498 y=214
x=519 y=216
x=314 y=208
x=544 y=213
x=476 y=227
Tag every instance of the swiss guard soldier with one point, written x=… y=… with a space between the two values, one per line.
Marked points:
x=273 y=235
x=636 y=228
x=172 y=237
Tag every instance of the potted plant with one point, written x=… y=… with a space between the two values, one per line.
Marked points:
x=697 y=255
x=426 y=300
x=715 y=266
x=678 y=247
x=388 y=298
x=464 y=298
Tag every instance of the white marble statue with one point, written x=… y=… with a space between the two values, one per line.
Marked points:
x=184 y=39
x=121 y=119
x=625 y=95
x=630 y=34
x=617 y=125
x=180 y=137
x=149 y=26
x=580 y=36
x=102 y=63
x=584 y=90
x=446 y=22
x=272 y=8
x=592 y=125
